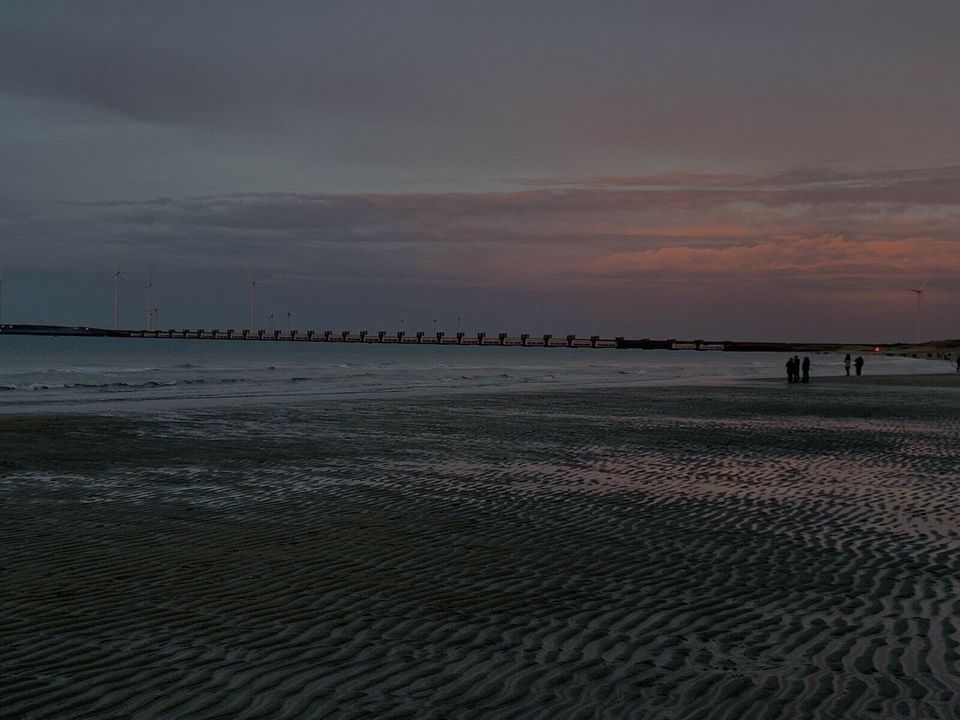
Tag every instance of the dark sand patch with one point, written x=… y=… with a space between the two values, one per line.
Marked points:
x=650 y=552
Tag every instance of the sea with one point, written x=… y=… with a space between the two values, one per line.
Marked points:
x=62 y=374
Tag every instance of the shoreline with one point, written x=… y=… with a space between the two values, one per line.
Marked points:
x=937 y=380
x=136 y=406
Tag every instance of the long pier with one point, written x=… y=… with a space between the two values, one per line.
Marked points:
x=440 y=338
x=382 y=336
x=342 y=336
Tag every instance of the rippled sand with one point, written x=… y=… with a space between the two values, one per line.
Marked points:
x=764 y=552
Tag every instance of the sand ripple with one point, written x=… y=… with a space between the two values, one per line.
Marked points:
x=654 y=553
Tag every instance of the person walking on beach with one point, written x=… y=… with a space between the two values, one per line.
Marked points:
x=789 y=369
x=846 y=364
x=806 y=369
x=859 y=365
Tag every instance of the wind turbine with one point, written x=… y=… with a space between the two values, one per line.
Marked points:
x=253 y=306
x=1 y=298
x=150 y=308
x=919 y=291
x=115 y=276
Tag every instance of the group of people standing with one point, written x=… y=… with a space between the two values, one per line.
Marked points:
x=795 y=367
x=858 y=364
x=798 y=371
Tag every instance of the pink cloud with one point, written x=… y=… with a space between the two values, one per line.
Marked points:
x=808 y=225
x=819 y=256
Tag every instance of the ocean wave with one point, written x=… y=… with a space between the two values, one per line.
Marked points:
x=80 y=370
x=39 y=386
x=213 y=381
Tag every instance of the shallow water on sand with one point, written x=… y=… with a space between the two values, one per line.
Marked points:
x=54 y=374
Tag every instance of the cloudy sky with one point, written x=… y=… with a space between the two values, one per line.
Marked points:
x=687 y=168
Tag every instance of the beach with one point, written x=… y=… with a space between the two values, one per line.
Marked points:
x=712 y=551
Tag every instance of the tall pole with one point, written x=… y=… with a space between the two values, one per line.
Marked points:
x=918 y=322
x=116 y=301
x=149 y=303
x=919 y=316
x=253 y=306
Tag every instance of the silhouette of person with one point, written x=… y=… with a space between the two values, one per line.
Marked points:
x=958 y=363
x=858 y=363
x=789 y=369
x=806 y=369
x=846 y=363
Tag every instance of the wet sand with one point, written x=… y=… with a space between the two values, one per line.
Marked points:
x=951 y=380
x=756 y=551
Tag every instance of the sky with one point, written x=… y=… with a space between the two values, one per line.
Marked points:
x=757 y=170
